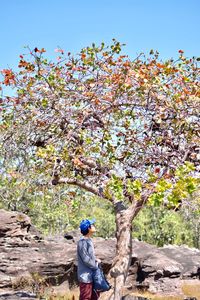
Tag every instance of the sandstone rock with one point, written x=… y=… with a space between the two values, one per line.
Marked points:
x=188 y=258
x=24 y=253
x=164 y=285
x=17 y=295
x=25 y=256
x=129 y=297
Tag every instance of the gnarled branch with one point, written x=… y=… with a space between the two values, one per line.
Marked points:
x=84 y=185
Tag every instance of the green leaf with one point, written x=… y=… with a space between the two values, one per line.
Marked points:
x=44 y=102
x=156 y=199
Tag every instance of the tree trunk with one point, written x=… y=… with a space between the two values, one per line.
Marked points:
x=122 y=260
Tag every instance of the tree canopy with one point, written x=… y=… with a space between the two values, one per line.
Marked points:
x=111 y=125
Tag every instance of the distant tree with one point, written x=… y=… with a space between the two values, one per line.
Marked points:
x=125 y=130
x=190 y=211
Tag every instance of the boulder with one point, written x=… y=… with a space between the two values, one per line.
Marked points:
x=17 y=295
x=129 y=297
x=28 y=259
x=188 y=258
x=24 y=253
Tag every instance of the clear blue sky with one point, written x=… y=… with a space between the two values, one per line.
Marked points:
x=164 y=25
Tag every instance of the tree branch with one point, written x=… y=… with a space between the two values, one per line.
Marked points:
x=136 y=207
x=86 y=186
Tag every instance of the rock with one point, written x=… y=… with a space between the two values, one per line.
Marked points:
x=17 y=295
x=5 y=280
x=161 y=269
x=105 y=251
x=52 y=259
x=129 y=297
x=159 y=264
x=187 y=257
x=164 y=285
x=73 y=235
x=28 y=259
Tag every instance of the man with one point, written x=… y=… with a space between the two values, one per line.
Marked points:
x=87 y=262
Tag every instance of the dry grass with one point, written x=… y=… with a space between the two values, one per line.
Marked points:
x=157 y=297
x=71 y=295
x=66 y=297
x=190 y=289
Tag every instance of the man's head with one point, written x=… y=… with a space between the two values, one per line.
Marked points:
x=87 y=227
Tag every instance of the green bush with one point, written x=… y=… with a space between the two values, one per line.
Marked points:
x=159 y=226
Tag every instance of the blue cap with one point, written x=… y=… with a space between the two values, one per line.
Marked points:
x=85 y=224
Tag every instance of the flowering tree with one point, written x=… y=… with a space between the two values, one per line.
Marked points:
x=125 y=130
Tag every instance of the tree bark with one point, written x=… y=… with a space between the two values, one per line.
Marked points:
x=123 y=218
x=122 y=260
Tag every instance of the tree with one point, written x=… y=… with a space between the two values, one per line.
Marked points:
x=124 y=130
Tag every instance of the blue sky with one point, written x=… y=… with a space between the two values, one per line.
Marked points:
x=164 y=25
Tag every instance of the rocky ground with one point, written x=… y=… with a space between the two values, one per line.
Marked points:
x=29 y=263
